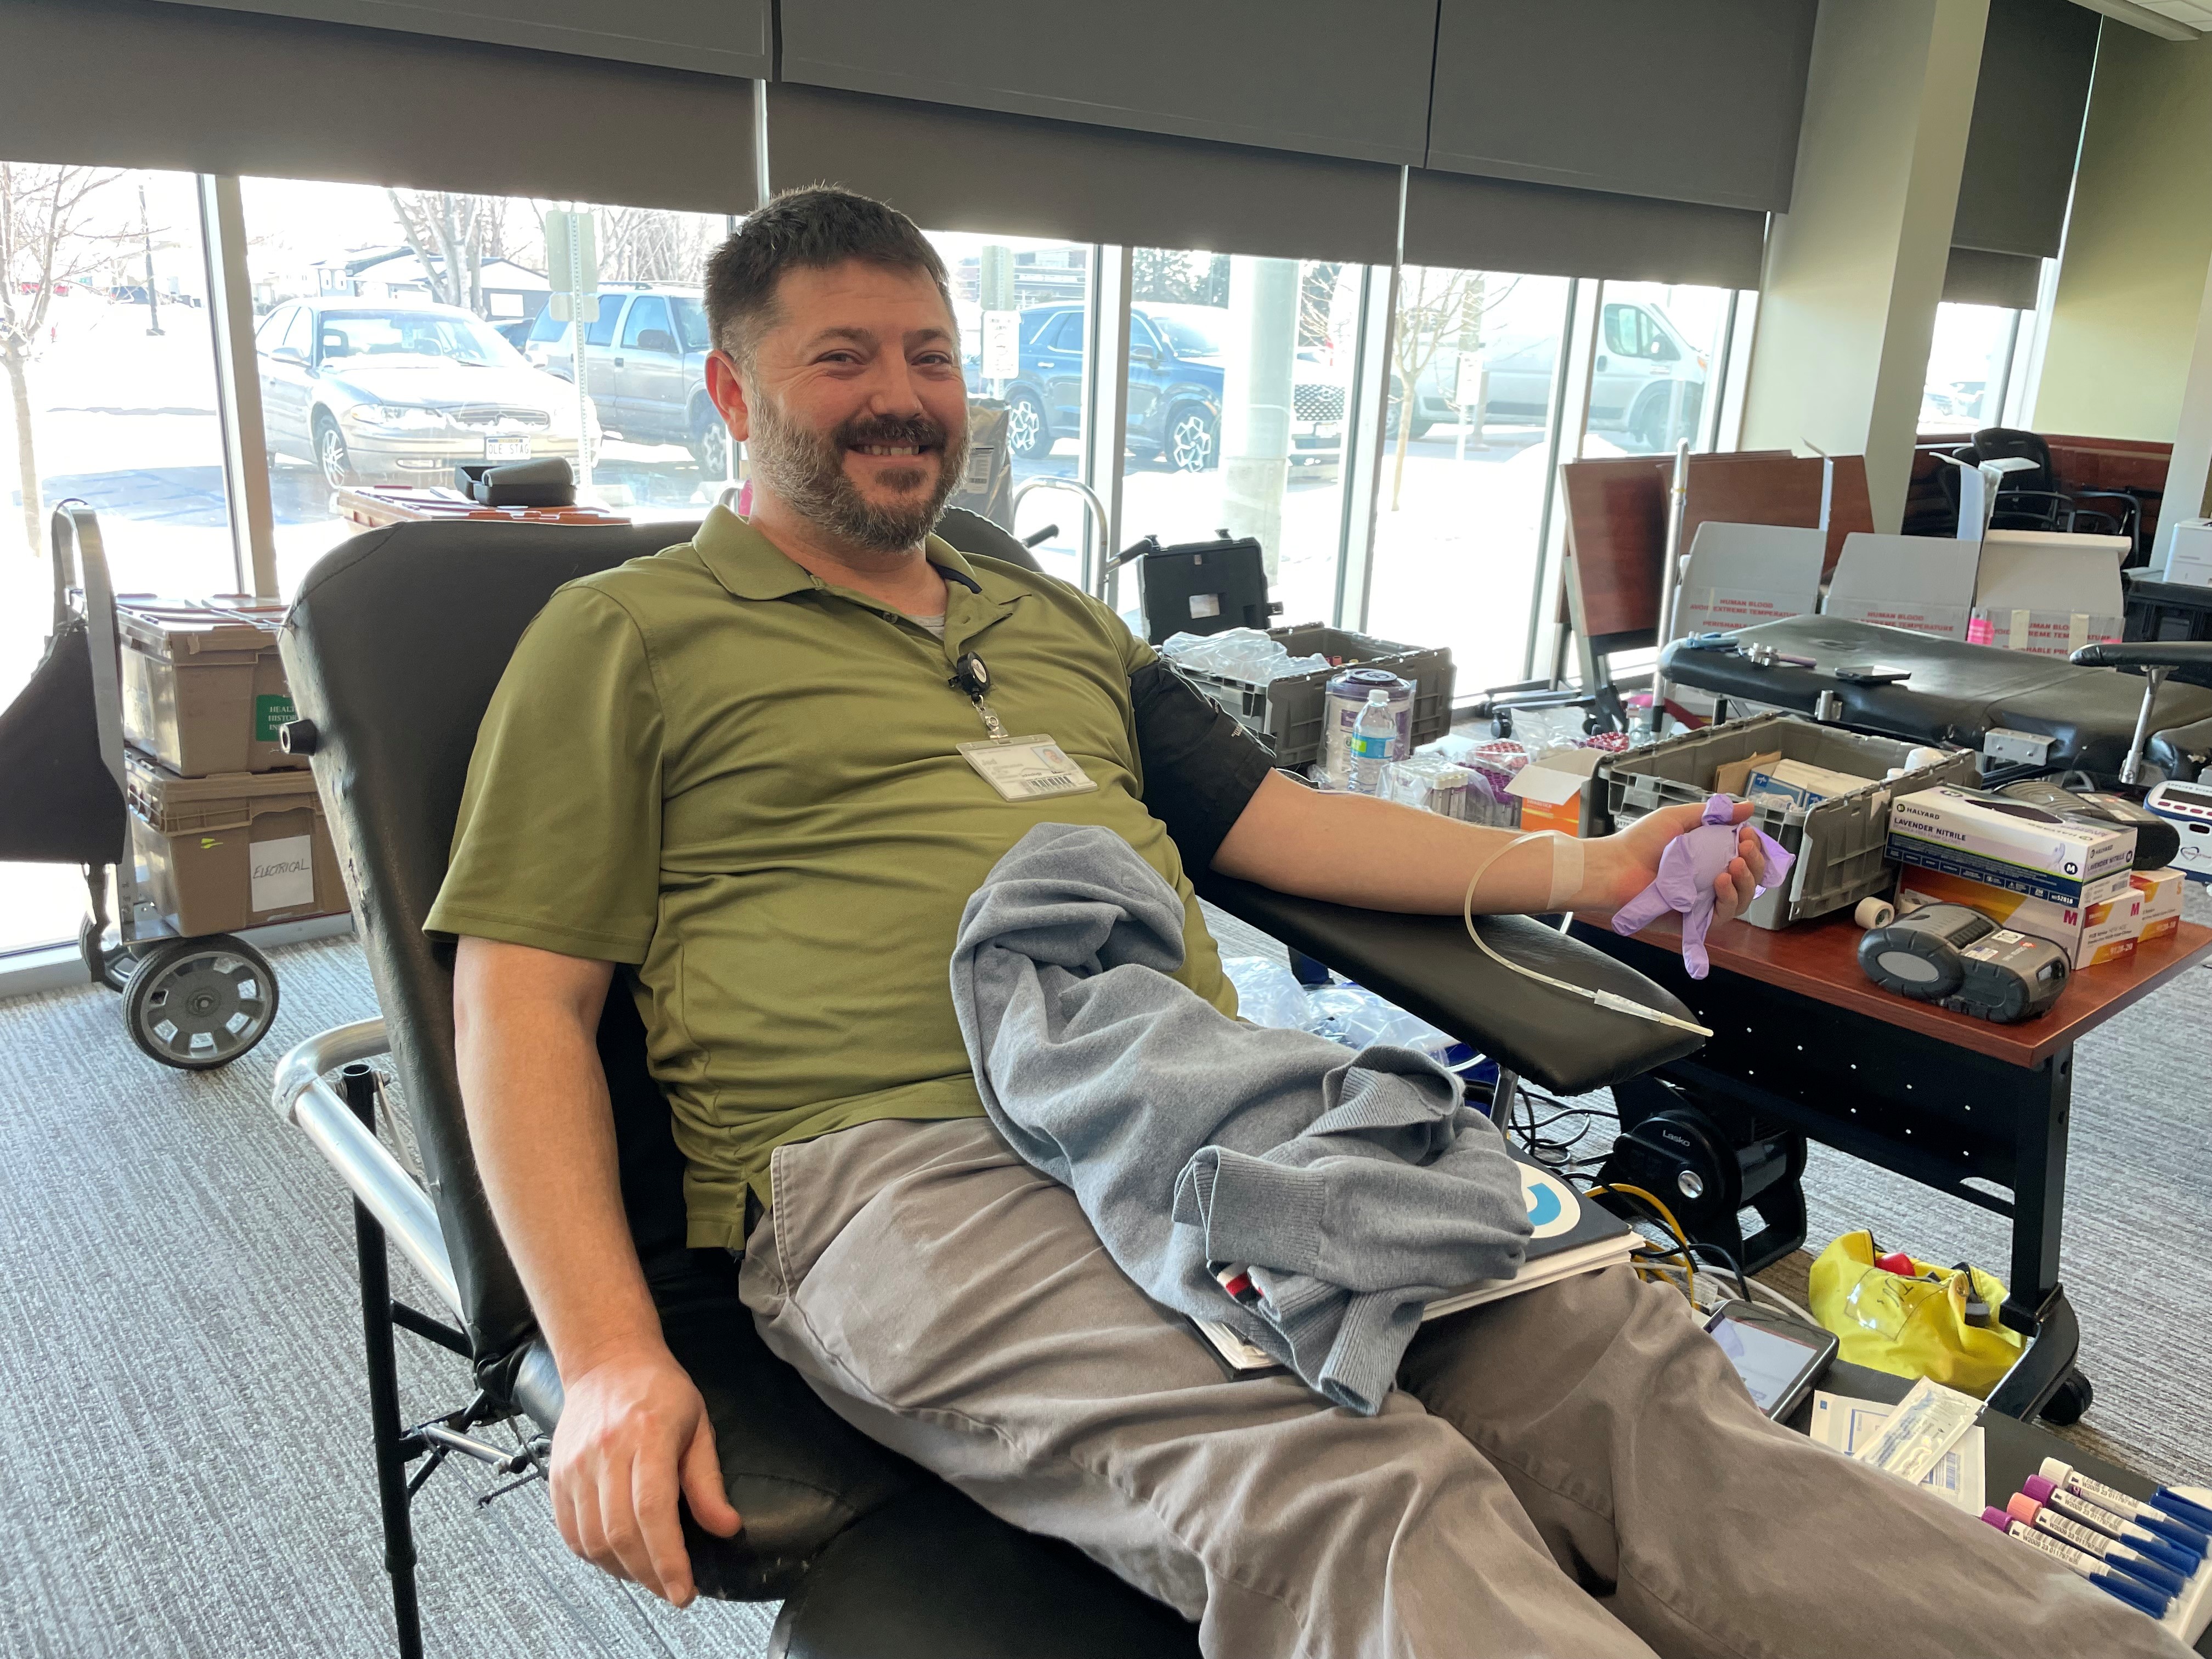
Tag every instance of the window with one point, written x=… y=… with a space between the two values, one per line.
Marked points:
x=1238 y=377
x=1652 y=379
x=105 y=344
x=1067 y=332
x=692 y=330
x=648 y=311
x=394 y=296
x=1044 y=394
x=1970 y=361
x=600 y=331
x=1474 y=356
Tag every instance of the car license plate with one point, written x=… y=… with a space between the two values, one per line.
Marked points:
x=507 y=449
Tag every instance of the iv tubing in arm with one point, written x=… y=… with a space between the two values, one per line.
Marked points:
x=1564 y=881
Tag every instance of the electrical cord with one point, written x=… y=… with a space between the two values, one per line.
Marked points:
x=1667 y=1219
x=1608 y=1000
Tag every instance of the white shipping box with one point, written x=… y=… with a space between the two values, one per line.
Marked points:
x=1741 y=574
x=1925 y=583
x=2048 y=594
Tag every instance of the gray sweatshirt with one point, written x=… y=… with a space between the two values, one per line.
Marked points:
x=1355 y=1189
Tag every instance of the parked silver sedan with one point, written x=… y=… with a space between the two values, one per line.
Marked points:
x=401 y=393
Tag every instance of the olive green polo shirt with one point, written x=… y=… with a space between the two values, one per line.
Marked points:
x=746 y=781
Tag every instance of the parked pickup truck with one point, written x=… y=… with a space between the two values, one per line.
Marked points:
x=645 y=367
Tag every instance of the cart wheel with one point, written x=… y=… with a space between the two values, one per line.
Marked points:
x=2074 y=1397
x=195 y=1004
x=1501 y=724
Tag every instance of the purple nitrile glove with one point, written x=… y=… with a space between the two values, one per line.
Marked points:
x=1687 y=870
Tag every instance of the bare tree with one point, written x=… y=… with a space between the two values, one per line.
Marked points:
x=652 y=245
x=47 y=240
x=1432 y=304
x=451 y=236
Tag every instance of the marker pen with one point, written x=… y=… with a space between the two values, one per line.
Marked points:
x=2133 y=1591
x=2112 y=1553
x=2180 y=1557
x=2184 y=1534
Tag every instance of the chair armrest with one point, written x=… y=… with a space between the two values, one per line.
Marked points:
x=797 y=1473
x=2145 y=654
x=401 y=1207
x=1426 y=965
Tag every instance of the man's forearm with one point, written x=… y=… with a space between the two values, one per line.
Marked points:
x=543 y=1134
x=1380 y=855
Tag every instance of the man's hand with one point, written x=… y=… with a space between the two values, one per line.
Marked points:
x=1622 y=865
x=634 y=1432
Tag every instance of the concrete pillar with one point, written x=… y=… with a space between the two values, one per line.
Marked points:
x=1255 y=416
x=1854 y=270
x=2128 y=351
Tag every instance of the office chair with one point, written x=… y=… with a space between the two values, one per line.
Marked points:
x=393 y=646
x=2031 y=499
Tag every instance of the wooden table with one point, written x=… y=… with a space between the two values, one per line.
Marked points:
x=1802 y=1038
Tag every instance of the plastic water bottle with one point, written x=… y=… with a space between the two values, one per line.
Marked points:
x=1374 y=741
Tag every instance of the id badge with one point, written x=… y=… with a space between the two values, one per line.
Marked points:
x=1027 y=768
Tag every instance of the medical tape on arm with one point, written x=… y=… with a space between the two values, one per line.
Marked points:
x=1567 y=869
x=1566 y=880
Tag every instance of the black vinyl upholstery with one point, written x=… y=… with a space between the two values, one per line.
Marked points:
x=394 y=645
x=61 y=805
x=1426 y=966
x=1956 y=693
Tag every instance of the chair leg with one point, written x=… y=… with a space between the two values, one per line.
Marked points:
x=358 y=1084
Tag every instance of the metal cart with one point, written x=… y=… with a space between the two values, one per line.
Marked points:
x=192 y=1003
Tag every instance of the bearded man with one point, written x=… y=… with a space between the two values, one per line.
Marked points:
x=747 y=767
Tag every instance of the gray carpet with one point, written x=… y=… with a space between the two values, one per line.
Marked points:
x=183 y=1455
x=182 y=1417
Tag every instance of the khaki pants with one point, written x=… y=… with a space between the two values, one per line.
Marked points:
x=1574 y=1471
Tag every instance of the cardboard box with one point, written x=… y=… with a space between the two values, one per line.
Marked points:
x=1925 y=583
x=2104 y=931
x=1800 y=783
x=243 y=850
x=204 y=690
x=2005 y=842
x=1550 y=788
x=2048 y=594
x=1741 y=574
x=2161 y=902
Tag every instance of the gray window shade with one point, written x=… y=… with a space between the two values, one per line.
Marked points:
x=1498 y=224
x=1319 y=76
x=1974 y=276
x=726 y=37
x=2027 y=129
x=968 y=170
x=145 y=83
x=1694 y=100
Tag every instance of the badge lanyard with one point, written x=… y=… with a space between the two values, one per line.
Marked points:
x=1032 y=767
x=972 y=680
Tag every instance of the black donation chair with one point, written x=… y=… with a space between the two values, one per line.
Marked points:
x=394 y=646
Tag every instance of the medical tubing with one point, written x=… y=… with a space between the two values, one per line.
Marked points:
x=1608 y=1000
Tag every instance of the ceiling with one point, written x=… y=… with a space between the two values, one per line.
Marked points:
x=2172 y=20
